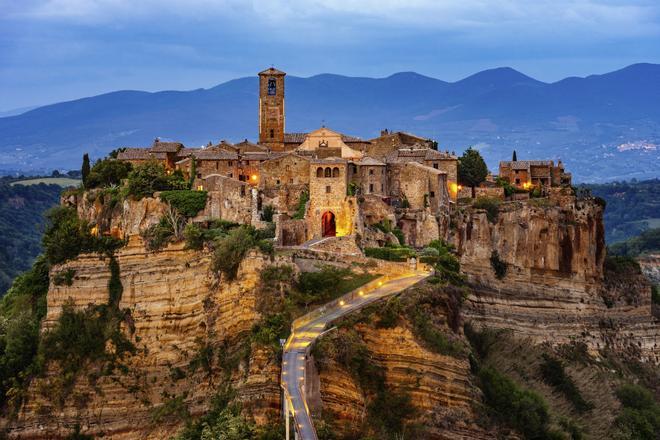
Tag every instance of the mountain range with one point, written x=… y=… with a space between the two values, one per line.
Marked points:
x=604 y=127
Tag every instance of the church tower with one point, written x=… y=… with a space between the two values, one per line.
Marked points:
x=271 y=109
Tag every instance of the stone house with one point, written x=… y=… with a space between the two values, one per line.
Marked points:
x=369 y=176
x=527 y=174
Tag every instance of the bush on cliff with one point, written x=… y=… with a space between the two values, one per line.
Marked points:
x=390 y=253
x=230 y=250
x=640 y=416
x=553 y=373
x=107 y=172
x=150 y=177
x=187 y=202
x=499 y=266
x=490 y=205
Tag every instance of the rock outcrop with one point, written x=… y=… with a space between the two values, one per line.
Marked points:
x=177 y=308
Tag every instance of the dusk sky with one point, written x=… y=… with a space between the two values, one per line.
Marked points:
x=55 y=50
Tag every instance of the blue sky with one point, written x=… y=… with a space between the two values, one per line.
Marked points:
x=54 y=50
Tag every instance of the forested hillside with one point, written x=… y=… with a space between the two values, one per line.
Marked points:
x=632 y=207
x=21 y=219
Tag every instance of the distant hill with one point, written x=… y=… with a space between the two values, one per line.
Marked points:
x=21 y=226
x=604 y=127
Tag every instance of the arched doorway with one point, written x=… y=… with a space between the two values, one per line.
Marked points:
x=328 y=227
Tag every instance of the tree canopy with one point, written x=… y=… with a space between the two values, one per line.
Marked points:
x=472 y=169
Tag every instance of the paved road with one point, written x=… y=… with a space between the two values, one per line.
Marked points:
x=298 y=344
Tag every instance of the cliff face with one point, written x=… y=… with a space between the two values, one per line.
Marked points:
x=555 y=288
x=176 y=308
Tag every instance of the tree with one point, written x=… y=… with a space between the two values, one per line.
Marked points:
x=193 y=172
x=107 y=172
x=85 y=169
x=472 y=169
x=515 y=157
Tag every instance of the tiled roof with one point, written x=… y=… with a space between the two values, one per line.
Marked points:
x=299 y=138
x=294 y=138
x=271 y=71
x=166 y=147
x=214 y=153
x=369 y=161
x=525 y=164
x=135 y=154
x=426 y=168
x=416 y=154
x=438 y=155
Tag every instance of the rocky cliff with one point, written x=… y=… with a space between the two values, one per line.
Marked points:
x=552 y=283
x=178 y=312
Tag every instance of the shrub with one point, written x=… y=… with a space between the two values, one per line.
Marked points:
x=64 y=277
x=521 y=409
x=174 y=408
x=389 y=412
x=66 y=235
x=490 y=205
x=194 y=236
x=230 y=250
x=158 y=236
x=621 y=265
x=302 y=203
x=499 y=266
x=107 y=172
x=553 y=373
x=640 y=418
x=434 y=338
x=187 y=202
x=149 y=177
x=267 y=213
x=390 y=253
x=508 y=188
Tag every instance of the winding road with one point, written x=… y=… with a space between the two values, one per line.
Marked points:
x=307 y=329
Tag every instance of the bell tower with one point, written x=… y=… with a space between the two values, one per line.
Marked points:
x=271 y=109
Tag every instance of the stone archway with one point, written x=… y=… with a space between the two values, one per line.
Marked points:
x=328 y=226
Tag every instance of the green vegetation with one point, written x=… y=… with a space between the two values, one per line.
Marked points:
x=521 y=409
x=107 y=173
x=434 y=338
x=632 y=207
x=196 y=236
x=267 y=213
x=647 y=242
x=187 y=202
x=446 y=265
x=302 y=202
x=386 y=226
x=64 y=277
x=67 y=236
x=640 y=417
x=621 y=265
x=552 y=370
x=230 y=250
x=150 y=177
x=22 y=219
x=328 y=283
x=388 y=410
x=225 y=421
x=472 y=169
x=509 y=189
x=499 y=266
x=490 y=205
x=390 y=253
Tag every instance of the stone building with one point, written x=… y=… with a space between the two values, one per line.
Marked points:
x=349 y=183
x=527 y=174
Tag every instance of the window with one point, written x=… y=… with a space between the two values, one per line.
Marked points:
x=319 y=172
x=242 y=191
x=517 y=180
x=272 y=133
x=335 y=172
x=432 y=194
x=278 y=181
x=328 y=189
x=217 y=166
x=371 y=187
x=199 y=175
x=290 y=180
x=435 y=165
x=272 y=87
x=327 y=172
x=247 y=162
x=230 y=163
x=381 y=187
x=231 y=175
x=371 y=172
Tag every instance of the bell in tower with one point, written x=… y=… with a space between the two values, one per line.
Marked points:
x=271 y=109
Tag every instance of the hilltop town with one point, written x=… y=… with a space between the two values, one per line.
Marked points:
x=327 y=287
x=327 y=184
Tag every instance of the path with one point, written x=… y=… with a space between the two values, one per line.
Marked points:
x=309 y=327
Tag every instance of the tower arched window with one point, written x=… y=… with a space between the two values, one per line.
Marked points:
x=335 y=172
x=319 y=172
x=328 y=172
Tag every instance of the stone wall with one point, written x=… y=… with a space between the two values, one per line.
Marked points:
x=228 y=199
x=289 y=169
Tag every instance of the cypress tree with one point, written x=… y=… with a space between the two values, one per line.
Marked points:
x=85 y=169
x=515 y=157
